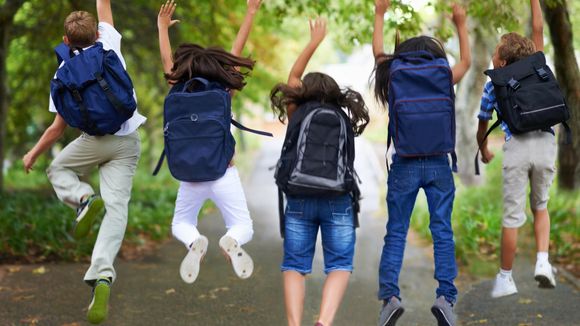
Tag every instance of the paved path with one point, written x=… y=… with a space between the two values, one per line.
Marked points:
x=150 y=292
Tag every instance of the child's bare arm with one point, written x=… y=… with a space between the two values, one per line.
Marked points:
x=460 y=21
x=164 y=22
x=537 y=25
x=244 y=32
x=104 y=12
x=317 y=34
x=48 y=138
x=381 y=7
x=486 y=155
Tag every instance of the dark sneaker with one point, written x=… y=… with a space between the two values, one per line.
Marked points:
x=86 y=215
x=99 y=307
x=443 y=311
x=391 y=312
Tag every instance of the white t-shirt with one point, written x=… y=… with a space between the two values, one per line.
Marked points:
x=111 y=40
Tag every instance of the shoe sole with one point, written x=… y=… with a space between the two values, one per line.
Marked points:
x=440 y=316
x=189 y=269
x=241 y=262
x=544 y=282
x=395 y=315
x=99 y=309
x=84 y=222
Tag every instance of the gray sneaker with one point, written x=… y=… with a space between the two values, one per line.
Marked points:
x=391 y=312
x=443 y=311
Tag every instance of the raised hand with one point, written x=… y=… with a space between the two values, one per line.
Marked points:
x=317 y=30
x=254 y=5
x=459 y=15
x=165 y=15
x=381 y=6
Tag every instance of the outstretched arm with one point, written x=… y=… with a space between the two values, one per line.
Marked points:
x=244 y=32
x=537 y=25
x=164 y=22
x=48 y=138
x=381 y=7
x=104 y=12
x=317 y=34
x=460 y=21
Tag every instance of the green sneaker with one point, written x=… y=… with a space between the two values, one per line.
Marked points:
x=86 y=215
x=99 y=307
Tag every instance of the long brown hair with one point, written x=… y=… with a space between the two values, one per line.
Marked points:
x=324 y=89
x=212 y=63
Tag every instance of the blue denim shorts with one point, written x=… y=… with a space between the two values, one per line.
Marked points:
x=303 y=217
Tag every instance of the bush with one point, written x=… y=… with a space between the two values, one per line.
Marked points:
x=477 y=215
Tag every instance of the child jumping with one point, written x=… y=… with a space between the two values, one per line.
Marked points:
x=189 y=65
x=416 y=83
x=115 y=155
x=529 y=158
x=319 y=182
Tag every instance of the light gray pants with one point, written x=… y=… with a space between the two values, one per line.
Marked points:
x=116 y=158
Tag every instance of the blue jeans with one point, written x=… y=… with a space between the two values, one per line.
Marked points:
x=303 y=217
x=407 y=175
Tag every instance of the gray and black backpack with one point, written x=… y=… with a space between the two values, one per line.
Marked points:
x=317 y=157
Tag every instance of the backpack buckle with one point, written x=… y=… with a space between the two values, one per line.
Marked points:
x=514 y=84
x=542 y=73
x=77 y=95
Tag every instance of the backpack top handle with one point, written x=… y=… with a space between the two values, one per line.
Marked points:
x=200 y=80
x=416 y=56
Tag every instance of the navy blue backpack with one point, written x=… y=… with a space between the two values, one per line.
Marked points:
x=92 y=90
x=421 y=106
x=198 y=143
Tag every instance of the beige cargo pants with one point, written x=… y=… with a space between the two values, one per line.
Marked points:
x=116 y=158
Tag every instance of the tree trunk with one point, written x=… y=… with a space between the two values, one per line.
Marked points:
x=4 y=27
x=558 y=20
x=467 y=106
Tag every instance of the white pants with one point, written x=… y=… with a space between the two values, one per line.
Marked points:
x=228 y=195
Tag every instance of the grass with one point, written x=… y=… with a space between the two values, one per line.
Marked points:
x=477 y=217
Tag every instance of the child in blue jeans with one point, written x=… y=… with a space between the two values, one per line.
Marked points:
x=409 y=174
x=306 y=214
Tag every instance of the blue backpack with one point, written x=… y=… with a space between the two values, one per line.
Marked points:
x=421 y=106
x=198 y=143
x=92 y=90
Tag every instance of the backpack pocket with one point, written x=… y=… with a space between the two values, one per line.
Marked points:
x=539 y=106
x=424 y=127
x=198 y=150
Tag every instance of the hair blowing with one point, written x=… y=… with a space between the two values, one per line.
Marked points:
x=321 y=88
x=383 y=68
x=212 y=63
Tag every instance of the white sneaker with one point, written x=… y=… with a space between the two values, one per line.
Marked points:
x=545 y=275
x=503 y=286
x=241 y=262
x=189 y=268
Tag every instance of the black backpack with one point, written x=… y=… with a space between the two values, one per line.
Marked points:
x=317 y=157
x=528 y=97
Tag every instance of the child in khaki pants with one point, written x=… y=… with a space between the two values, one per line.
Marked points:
x=115 y=156
x=528 y=158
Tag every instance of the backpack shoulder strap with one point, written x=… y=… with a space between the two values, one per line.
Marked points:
x=281 y=211
x=159 y=163
x=254 y=131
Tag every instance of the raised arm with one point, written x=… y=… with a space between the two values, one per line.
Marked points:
x=163 y=23
x=381 y=7
x=460 y=21
x=104 y=12
x=537 y=25
x=244 y=32
x=317 y=34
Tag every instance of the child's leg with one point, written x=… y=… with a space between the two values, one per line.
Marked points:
x=301 y=229
x=440 y=192
x=190 y=199
x=76 y=159
x=542 y=229
x=403 y=186
x=116 y=179
x=338 y=240
x=228 y=195
x=509 y=239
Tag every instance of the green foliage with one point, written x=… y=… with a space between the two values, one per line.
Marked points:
x=477 y=216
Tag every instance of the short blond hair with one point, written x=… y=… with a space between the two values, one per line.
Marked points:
x=514 y=47
x=80 y=27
